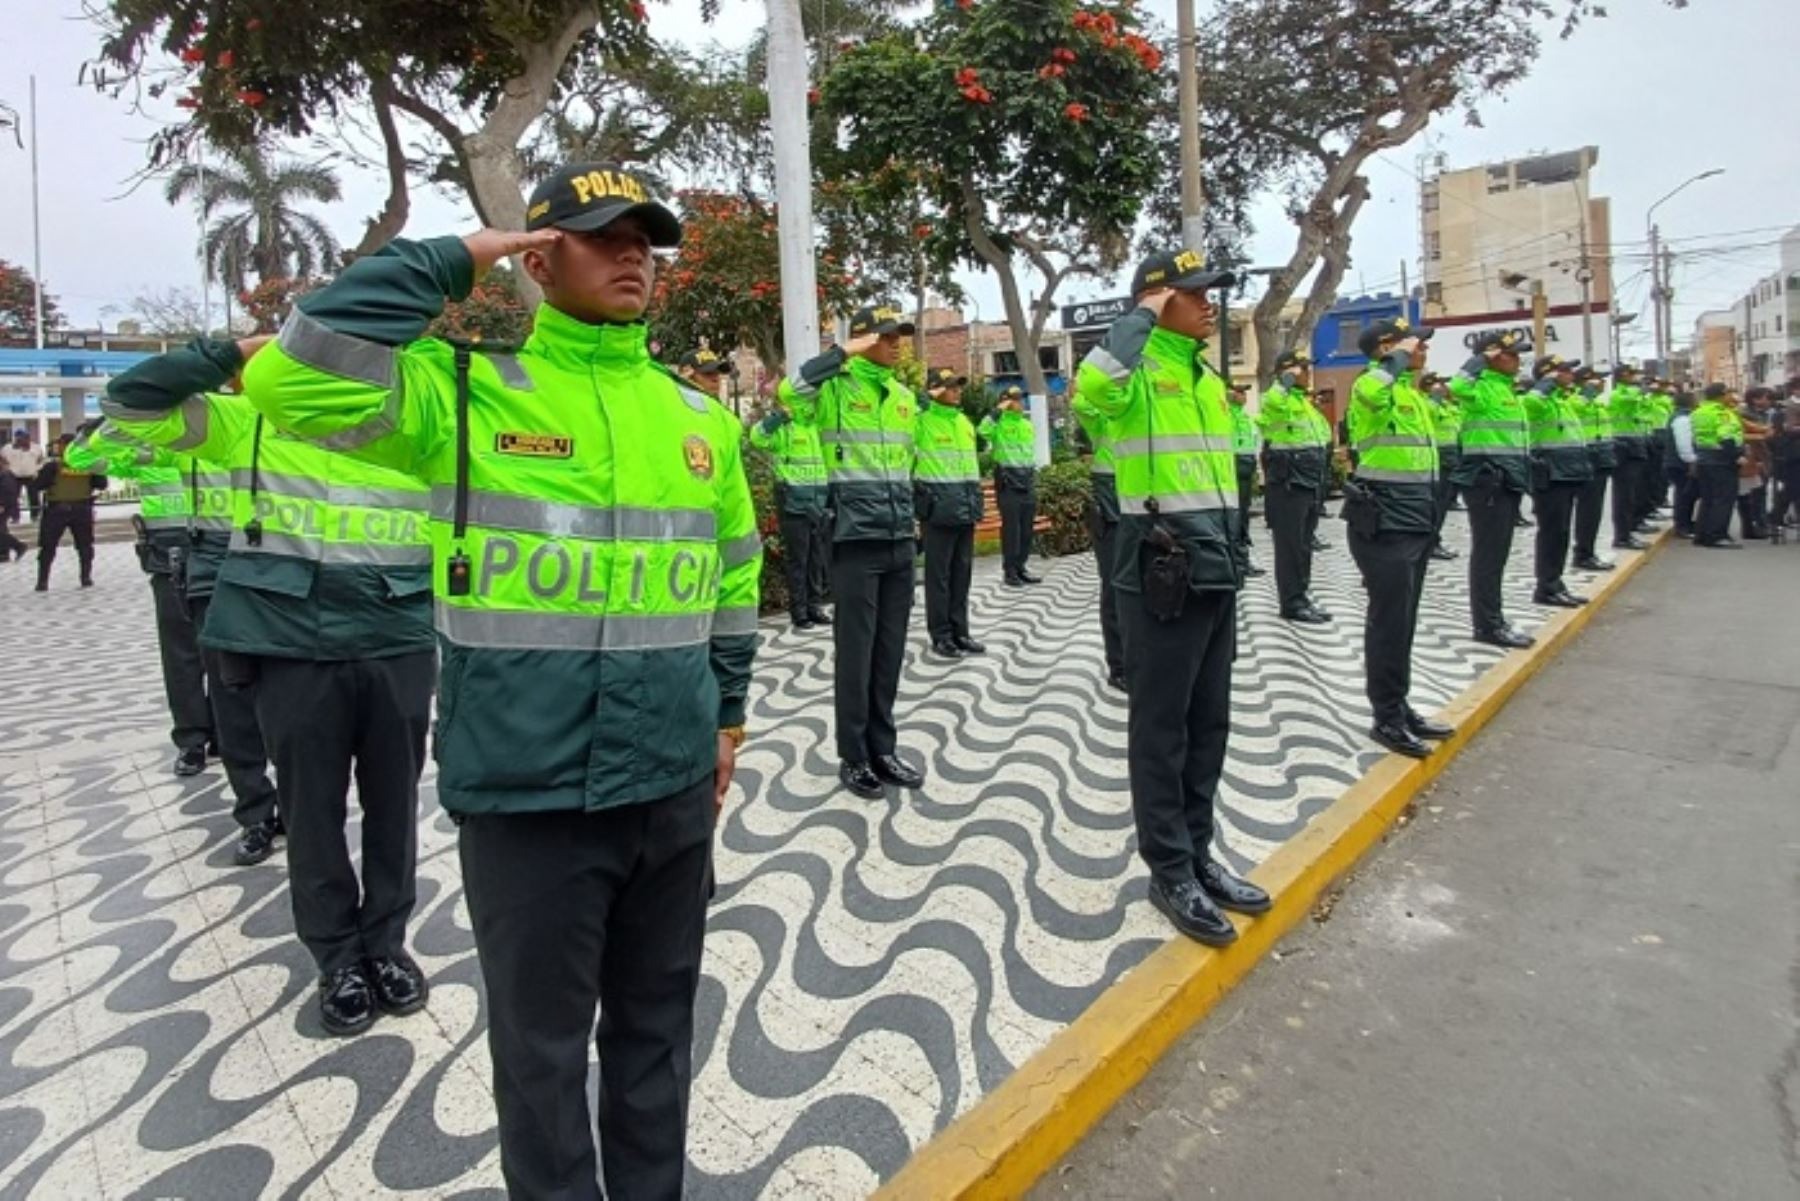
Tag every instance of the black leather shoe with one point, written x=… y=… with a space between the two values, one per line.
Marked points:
x=1192 y=912
x=1645 y=527
x=400 y=987
x=1232 y=892
x=802 y=624
x=1026 y=577
x=1523 y=523
x=1444 y=554
x=1320 y=544
x=1722 y=544
x=1116 y=679
x=819 y=617
x=861 y=779
x=1562 y=598
x=1307 y=615
x=1507 y=637
x=1627 y=544
x=1423 y=727
x=1013 y=581
x=257 y=843
x=969 y=646
x=191 y=761
x=1251 y=571
x=1400 y=740
x=896 y=771
x=346 y=1002
x=943 y=648
x=1593 y=563
x=1687 y=535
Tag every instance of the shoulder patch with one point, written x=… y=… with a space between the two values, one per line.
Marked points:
x=534 y=446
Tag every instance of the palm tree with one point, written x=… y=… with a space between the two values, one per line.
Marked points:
x=261 y=231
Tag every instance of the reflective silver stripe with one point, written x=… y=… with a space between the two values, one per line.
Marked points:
x=162 y=489
x=1494 y=427
x=1171 y=443
x=955 y=477
x=354 y=554
x=866 y=475
x=194 y=417
x=112 y=408
x=177 y=521
x=213 y=479
x=501 y=629
x=1392 y=440
x=1102 y=358
x=324 y=349
x=694 y=400
x=801 y=387
x=1555 y=443
x=372 y=430
x=939 y=453
x=500 y=511
x=212 y=523
x=1385 y=475
x=306 y=488
x=1494 y=452
x=1179 y=502
x=830 y=436
x=740 y=550
x=734 y=622
x=1099 y=468
x=512 y=373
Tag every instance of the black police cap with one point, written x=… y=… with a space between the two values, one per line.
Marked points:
x=583 y=197
x=1293 y=358
x=1498 y=341
x=1553 y=362
x=879 y=319
x=1182 y=270
x=940 y=378
x=1393 y=328
x=1716 y=392
x=704 y=361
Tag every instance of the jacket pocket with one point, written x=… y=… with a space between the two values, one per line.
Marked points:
x=405 y=582
x=270 y=573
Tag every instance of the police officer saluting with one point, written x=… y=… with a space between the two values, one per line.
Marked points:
x=596 y=577
x=1494 y=473
x=865 y=421
x=1013 y=443
x=1296 y=466
x=706 y=371
x=947 y=492
x=1103 y=521
x=1244 y=445
x=1596 y=431
x=1560 y=469
x=1177 y=571
x=1390 y=510
x=800 y=500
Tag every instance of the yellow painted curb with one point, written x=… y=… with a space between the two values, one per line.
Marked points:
x=1021 y=1129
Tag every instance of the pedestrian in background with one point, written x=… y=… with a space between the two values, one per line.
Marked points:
x=24 y=462
x=1296 y=466
x=68 y=507
x=947 y=496
x=1013 y=443
x=1684 y=469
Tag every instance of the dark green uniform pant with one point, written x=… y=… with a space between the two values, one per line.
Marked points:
x=183 y=669
x=1589 y=507
x=799 y=542
x=1687 y=497
x=1106 y=544
x=1718 y=494
x=1627 y=484
x=1393 y=572
x=1246 y=483
x=1178 y=677
x=1493 y=514
x=1555 y=507
x=949 y=568
x=236 y=732
x=1018 y=510
x=1449 y=459
x=872 y=581
x=324 y=722
x=574 y=911
x=1293 y=516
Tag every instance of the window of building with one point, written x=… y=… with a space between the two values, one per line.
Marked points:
x=1434 y=245
x=1050 y=358
x=1499 y=179
x=1434 y=293
x=1778 y=323
x=1428 y=200
x=1349 y=330
x=1006 y=362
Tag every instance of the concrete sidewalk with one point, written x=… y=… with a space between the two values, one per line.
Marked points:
x=1575 y=974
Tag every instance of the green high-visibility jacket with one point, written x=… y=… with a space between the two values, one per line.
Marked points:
x=608 y=623
x=1718 y=434
x=1014 y=444
x=1389 y=424
x=1558 y=438
x=184 y=502
x=865 y=421
x=1244 y=440
x=336 y=566
x=1596 y=428
x=1628 y=411
x=1296 y=436
x=799 y=463
x=1100 y=470
x=1170 y=425
x=946 y=468
x=1446 y=426
x=1495 y=434
x=1661 y=412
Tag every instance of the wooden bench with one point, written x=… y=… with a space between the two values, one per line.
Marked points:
x=989 y=525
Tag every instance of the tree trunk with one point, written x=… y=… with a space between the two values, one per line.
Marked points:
x=1000 y=261
x=1335 y=259
x=392 y=218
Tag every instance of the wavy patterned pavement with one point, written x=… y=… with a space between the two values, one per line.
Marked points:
x=872 y=969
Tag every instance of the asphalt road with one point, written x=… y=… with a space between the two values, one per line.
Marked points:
x=1575 y=974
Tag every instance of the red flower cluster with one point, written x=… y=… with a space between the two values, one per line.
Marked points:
x=1103 y=21
x=967 y=77
x=1147 y=54
x=638 y=12
x=1076 y=113
x=1051 y=71
x=1062 y=54
x=252 y=97
x=812 y=95
x=968 y=82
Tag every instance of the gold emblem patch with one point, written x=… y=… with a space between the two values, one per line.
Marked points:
x=535 y=446
x=699 y=457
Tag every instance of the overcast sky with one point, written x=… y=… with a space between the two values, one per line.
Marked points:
x=1663 y=94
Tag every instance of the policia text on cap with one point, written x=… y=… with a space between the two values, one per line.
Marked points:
x=596 y=588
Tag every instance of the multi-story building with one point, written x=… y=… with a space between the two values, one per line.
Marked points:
x=1717 y=356
x=1497 y=234
x=1769 y=316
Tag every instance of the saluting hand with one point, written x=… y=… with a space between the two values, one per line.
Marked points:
x=1156 y=300
x=723 y=770
x=862 y=343
x=489 y=246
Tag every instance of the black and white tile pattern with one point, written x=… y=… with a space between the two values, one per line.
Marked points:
x=872 y=969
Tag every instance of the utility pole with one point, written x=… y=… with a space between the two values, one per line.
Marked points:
x=1193 y=197
x=1585 y=274
x=1668 y=301
x=786 y=87
x=37 y=240
x=1656 y=290
x=1540 y=313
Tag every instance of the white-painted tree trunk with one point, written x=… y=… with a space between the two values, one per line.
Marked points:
x=786 y=86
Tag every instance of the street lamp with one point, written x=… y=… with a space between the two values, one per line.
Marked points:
x=1659 y=286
